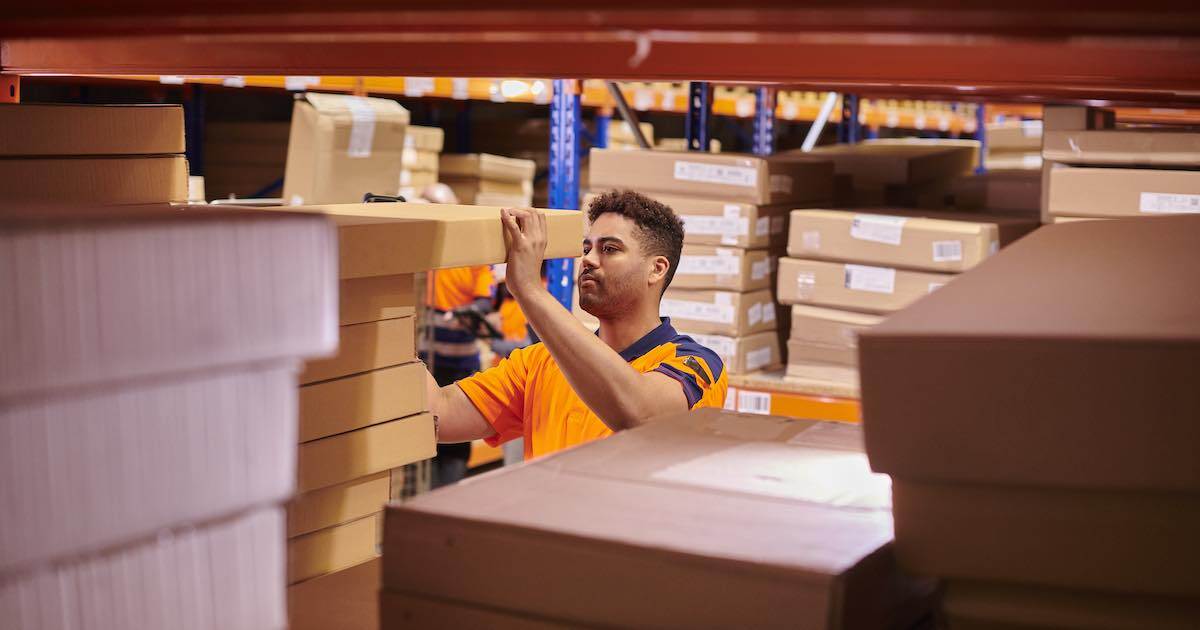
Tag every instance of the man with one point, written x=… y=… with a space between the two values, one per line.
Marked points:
x=574 y=386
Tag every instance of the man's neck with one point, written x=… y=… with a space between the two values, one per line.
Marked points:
x=620 y=333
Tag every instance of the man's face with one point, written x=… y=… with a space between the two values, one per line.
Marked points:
x=614 y=274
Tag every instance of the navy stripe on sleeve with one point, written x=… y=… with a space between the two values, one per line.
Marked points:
x=691 y=389
x=686 y=346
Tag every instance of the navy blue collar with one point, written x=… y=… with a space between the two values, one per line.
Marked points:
x=653 y=339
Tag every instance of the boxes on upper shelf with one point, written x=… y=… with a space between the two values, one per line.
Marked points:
x=741 y=355
x=726 y=268
x=58 y=130
x=1123 y=147
x=94 y=180
x=484 y=166
x=853 y=286
x=243 y=158
x=1122 y=192
x=996 y=190
x=880 y=163
x=835 y=330
x=1018 y=136
x=425 y=139
x=725 y=313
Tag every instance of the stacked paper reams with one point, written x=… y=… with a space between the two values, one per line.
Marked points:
x=846 y=269
x=419 y=163
x=734 y=210
x=1041 y=433
x=489 y=180
x=148 y=408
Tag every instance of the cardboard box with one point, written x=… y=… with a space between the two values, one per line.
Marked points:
x=227 y=574
x=852 y=286
x=59 y=130
x=375 y=298
x=347 y=599
x=973 y=604
x=342 y=147
x=416 y=180
x=101 y=295
x=1072 y=118
x=401 y=610
x=707 y=222
x=341 y=458
x=1031 y=161
x=333 y=549
x=500 y=200
x=416 y=160
x=724 y=176
x=799 y=368
x=733 y=269
x=1135 y=542
x=487 y=166
x=365 y=347
x=720 y=312
x=352 y=402
x=927 y=240
x=429 y=139
x=883 y=163
x=701 y=519
x=1104 y=335
x=1124 y=147
x=1014 y=136
x=743 y=354
x=469 y=189
x=1000 y=190
x=1122 y=192
x=338 y=504
x=831 y=328
x=1076 y=219
x=94 y=180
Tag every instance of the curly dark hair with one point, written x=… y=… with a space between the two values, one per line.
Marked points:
x=660 y=231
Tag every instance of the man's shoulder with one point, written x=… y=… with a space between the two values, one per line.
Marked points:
x=687 y=348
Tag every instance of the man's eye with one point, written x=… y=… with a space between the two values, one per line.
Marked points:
x=610 y=249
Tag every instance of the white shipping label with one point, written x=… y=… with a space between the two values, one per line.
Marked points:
x=781 y=184
x=947 y=251
x=732 y=210
x=755 y=313
x=806 y=284
x=760 y=269
x=725 y=347
x=697 y=311
x=754 y=402
x=757 y=359
x=362 y=127
x=1031 y=161
x=710 y=265
x=873 y=279
x=708 y=226
x=810 y=239
x=1169 y=203
x=934 y=286
x=1031 y=128
x=769 y=312
x=762 y=226
x=731 y=396
x=716 y=174
x=877 y=228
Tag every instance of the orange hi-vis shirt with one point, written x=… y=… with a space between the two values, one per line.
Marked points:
x=528 y=396
x=458 y=287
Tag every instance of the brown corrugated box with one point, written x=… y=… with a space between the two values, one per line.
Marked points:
x=352 y=402
x=742 y=355
x=1106 y=335
x=418 y=180
x=1072 y=117
x=468 y=190
x=430 y=139
x=333 y=549
x=1020 y=162
x=342 y=147
x=1000 y=190
x=1159 y=148
x=376 y=298
x=728 y=268
x=975 y=605
x=1122 y=192
x=338 y=504
x=799 y=368
x=830 y=327
x=881 y=163
x=341 y=458
x=708 y=222
x=69 y=129
x=404 y=610
x=1076 y=219
x=422 y=161
x=851 y=286
x=1136 y=542
x=243 y=158
x=1018 y=135
x=927 y=240
x=720 y=312
x=94 y=180
x=726 y=176
x=486 y=166
x=345 y=600
x=365 y=347
x=702 y=519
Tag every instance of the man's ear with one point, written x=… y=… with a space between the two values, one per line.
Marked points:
x=659 y=268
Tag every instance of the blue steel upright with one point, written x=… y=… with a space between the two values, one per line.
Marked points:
x=764 y=121
x=981 y=136
x=850 y=131
x=699 y=112
x=565 y=131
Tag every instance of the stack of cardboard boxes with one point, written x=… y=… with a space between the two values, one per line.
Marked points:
x=846 y=269
x=734 y=209
x=1041 y=434
x=489 y=180
x=898 y=173
x=1014 y=146
x=419 y=163
x=241 y=159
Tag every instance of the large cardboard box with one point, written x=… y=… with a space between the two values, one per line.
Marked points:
x=975 y=605
x=834 y=329
x=429 y=139
x=927 y=240
x=417 y=181
x=875 y=165
x=341 y=458
x=94 y=180
x=422 y=161
x=352 y=402
x=1150 y=148
x=346 y=600
x=59 y=130
x=342 y=147
x=502 y=200
x=707 y=222
x=742 y=355
x=701 y=519
x=852 y=286
x=733 y=269
x=720 y=312
x=1107 y=334
x=404 y=610
x=375 y=298
x=1019 y=191
x=1134 y=542
x=1014 y=136
x=724 y=176
x=1122 y=192
x=799 y=368
x=333 y=549
x=1073 y=117
x=487 y=167
x=365 y=347
x=338 y=504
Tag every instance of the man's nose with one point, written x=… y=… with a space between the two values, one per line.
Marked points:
x=591 y=260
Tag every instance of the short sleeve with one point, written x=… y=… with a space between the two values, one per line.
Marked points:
x=699 y=371
x=483 y=281
x=499 y=395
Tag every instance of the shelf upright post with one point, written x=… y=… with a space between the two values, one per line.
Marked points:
x=764 y=120
x=193 y=122
x=603 y=119
x=981 y=136
x=699 y=112
x=10 y=88
x=850 y=130
x=565 y=131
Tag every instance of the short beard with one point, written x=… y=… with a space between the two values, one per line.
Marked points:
x=616 y=297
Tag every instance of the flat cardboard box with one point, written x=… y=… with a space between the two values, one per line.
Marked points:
x=366 y=347
x=1124 y=147
x=1014 y=136
x=421 y=161
x=468 y=188
x=341 y=458
x=352 y=402
x=1122 y=192
x=417 y=180
x=1031 y=161
x=879 y=164
x=431 y=139
x=1132 y=542
x=333 y=549
x=798 y=368
x=376 y=298
x=338 y=504
x=741 y=355
x=60 y=130
x=808 y=352
x=346 y=600
x=1073 y=117
x=830 y=327
x=487 y=166
x=925 y=240
x=342 y=147
x=501 y=200
x=725 y=176
x=720 y=312
x=405 y=610
x=700 y=519
x=106 y=466
x=226 y=574
x=978 y=605
x=1076 y=219
x=727 y=268
x=94 y=180
x=852 y=286
x=1105 y=335
x=709 y=222
x=102 y=295
x=1000 y=190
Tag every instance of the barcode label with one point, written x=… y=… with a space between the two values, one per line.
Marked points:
x=877 y=228
x=754 y=402
x=873 y=279
x=716 y=174
x=757 y=359
x=710 y=265
x=697 y=311
x=947 y=251
x=1169 y=203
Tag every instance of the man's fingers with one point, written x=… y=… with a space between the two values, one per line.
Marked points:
x=511 y=229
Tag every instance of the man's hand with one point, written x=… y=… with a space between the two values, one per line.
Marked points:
x=525 y=235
